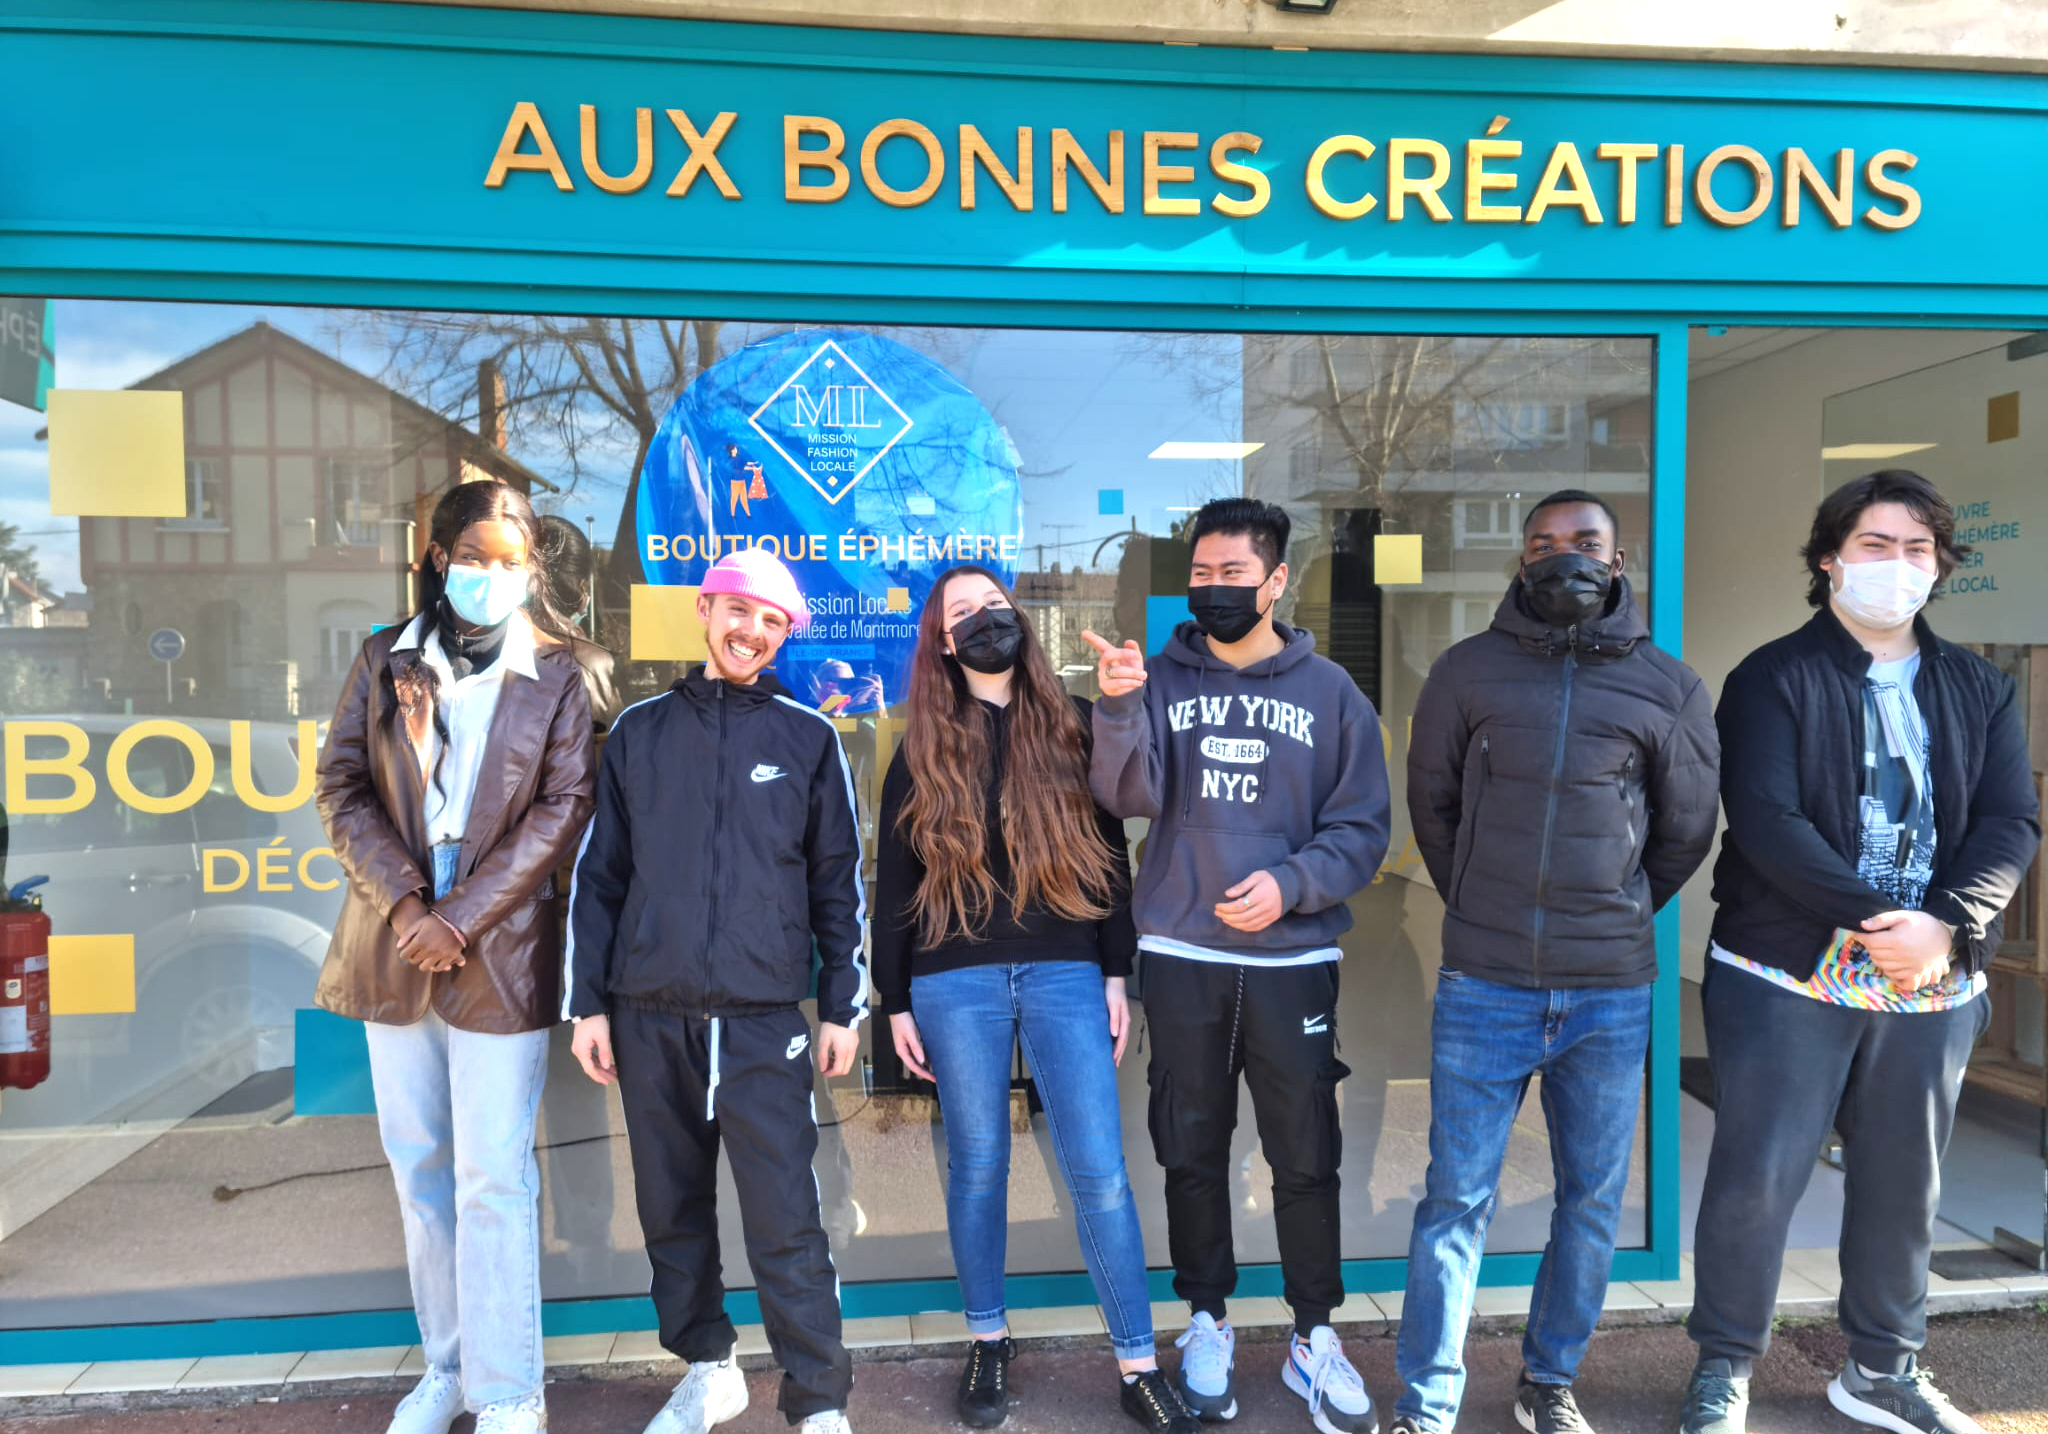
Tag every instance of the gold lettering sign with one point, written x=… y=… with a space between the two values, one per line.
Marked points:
x=1344 y=177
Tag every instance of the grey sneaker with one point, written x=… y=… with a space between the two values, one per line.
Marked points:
x=1903 y=1403
x=1716 y=1400
x=1548 y=1408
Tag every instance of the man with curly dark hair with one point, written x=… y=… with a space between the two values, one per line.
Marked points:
x=1881 y=813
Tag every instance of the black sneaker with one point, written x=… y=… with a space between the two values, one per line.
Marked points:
x=1716 y=1401
x=1152 y=1400
x=984 y=1398
x=1903 y=1403
x=1548 y=1408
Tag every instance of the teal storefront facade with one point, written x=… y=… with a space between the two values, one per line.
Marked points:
x=1187 y=223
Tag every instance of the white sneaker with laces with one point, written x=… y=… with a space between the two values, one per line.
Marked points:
x=711 y=1393
x=1208 y=1351
x=832 y=1421
x=1319 y=1373
x=434 y=1404
x=513 y=1416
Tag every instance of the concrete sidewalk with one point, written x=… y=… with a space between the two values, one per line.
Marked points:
x=1994 y=1365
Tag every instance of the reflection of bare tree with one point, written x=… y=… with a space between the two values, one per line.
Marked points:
x=588 y=391
x=1391 y=406
x=586 y=395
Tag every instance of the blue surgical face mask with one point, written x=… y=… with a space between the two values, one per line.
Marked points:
x=485 y=596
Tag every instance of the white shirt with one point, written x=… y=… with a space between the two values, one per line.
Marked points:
x=467 y=706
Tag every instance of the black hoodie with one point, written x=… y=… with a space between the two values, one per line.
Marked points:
x=1562 y=787
x=1006 y=938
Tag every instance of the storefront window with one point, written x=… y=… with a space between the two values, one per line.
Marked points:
x=203 y=1118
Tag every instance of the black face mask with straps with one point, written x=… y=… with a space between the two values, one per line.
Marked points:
x=987 y=641
x=1567 y=588
x=1225 y=612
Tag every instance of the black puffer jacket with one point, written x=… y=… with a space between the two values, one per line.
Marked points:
x=1791 y=721
x=1562 y=788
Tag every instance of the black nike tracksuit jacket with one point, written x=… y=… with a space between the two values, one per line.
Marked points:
x=723 y=845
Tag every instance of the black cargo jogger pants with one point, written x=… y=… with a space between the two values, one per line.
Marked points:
x=1210 y=1022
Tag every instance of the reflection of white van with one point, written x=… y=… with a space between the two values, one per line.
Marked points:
x=228 y=939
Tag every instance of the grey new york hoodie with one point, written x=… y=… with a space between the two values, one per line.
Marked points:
x=1276 y=766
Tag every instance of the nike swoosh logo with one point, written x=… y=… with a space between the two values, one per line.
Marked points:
x=796 y=1047
x=1309 y=1023
x=765 y=773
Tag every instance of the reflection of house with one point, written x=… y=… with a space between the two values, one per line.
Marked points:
x=23 y=603
x=309 y=490
x=1061 y=604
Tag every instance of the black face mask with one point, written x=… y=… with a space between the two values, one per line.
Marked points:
x=987 y=641
x=1567 y=588
x=1224 y=612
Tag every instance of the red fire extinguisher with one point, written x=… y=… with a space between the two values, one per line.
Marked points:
x=24 y=987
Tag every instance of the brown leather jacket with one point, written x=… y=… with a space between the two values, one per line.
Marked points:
x=533 y=799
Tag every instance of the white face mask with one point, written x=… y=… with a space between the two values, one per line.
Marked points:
x=1883 y=594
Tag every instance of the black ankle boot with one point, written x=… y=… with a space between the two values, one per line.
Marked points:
x=984 y=1399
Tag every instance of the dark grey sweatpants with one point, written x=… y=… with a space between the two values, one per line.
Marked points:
x=1786 y=1068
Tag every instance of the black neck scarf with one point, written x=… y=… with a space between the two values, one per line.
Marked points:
x=467 y=653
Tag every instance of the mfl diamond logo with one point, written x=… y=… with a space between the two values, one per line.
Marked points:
x=830 y=421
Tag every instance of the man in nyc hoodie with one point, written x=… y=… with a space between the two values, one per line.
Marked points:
x=723 y=842
x=1262 y=769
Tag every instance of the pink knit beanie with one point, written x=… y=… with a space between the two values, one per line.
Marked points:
x=759 y=574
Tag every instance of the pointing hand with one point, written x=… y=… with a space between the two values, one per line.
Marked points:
x=1118 y=669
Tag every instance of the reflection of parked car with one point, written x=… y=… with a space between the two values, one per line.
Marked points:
x=227 y=939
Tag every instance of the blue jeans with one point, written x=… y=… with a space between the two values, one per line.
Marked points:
x=456 y=1112
x=1487 y=1040
x=970 y=1020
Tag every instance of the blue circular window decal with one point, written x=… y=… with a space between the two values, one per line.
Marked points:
x=859 y=461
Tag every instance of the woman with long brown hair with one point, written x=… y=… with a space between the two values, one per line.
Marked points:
x=1003 y=913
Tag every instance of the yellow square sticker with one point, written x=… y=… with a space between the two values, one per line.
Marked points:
x=117 y=454
x=91 y=975
x=666 y=627
x=1396 y=558
x=899 y=599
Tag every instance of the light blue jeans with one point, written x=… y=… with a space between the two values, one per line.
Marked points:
x=456 y=1112
x=1487 y=1041
x=970 y=1020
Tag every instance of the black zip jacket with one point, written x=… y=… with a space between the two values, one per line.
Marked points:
x=723 y=841
x=1561 y=786
x=1791 y=720
x=1040 y=935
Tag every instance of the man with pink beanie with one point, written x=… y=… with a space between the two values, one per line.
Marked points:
x=722 y=846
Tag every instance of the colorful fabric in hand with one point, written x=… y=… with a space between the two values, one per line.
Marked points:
x=1846 y=976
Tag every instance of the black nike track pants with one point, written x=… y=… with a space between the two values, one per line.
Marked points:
x=1208 y=1023
x=689 y=1084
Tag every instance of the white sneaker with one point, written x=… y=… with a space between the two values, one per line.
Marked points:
x=513 y=1416
x=711 y=1393
x=832 y=1421
x=1208 y=1352
x=434 y=1404
x=1319 y=1373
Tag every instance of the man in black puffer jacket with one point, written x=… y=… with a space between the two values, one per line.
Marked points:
x=1561 y=781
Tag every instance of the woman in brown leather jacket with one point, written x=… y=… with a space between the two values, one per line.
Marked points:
x=457 y=776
